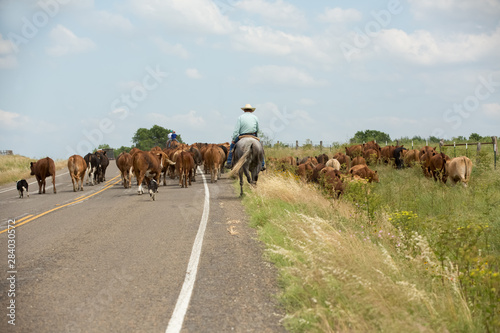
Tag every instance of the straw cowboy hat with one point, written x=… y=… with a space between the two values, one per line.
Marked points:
x=248 y=107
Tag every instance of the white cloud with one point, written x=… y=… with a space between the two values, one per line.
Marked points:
x=176 y=50
x=307 y=102
x=12 y=120
x=65 y=42
x=491 y=110
x=277 y=13
x=199 y=16
x=422 y=47
x=193 y=73
x=262 y=40
x=283 y=76
x=7 y=56
x=463 y=15
x=186 y=120
x=339 y=15
x=110 y=21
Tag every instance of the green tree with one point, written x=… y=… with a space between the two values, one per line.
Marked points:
x=145 y=139
x=370 y=135
x=475 y=137
x=121 y=150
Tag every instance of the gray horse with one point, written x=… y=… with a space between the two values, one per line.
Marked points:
x=247 y=159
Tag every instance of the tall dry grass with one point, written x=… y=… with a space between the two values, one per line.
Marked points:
x=341 y=272
x=15 y=167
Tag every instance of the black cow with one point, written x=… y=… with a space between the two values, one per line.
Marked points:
x=104 y=164
x=93 y=167
x=22 y=185
x=398 y=157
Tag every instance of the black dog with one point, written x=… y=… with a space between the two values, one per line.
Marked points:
x=22 y=185
x=153 y=189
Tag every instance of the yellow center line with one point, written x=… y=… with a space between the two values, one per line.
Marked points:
x=24 y=218
x=29 y=218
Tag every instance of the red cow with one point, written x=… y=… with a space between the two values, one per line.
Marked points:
x=124 y=164
x=42 y=169
x=364 y=172
x=184 y=165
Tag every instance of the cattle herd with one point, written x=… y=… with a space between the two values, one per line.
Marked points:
x=333 y=173
x=148 y=167
x=182 y=160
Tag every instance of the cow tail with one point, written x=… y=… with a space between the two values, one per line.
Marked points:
x=467 y=170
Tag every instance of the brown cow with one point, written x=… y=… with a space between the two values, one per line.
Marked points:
x=344 y=160
x=315 y=172
x=353 y=151
x=459 y=170
x=358 y=160
x=184 y=166
x=427 y=149
x=323 y=158
x=437 y=166
x=333 y=183
x=77 y=168
x=371 y=145
x=364 y=172
x=371 y=156
x=213 y=162
x=304 y=170
x=387 y=153
x=124 y=164
x=411 y=157
x=146 y=165
x=42 y=169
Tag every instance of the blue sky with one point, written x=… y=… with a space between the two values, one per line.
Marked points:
x=74 y=74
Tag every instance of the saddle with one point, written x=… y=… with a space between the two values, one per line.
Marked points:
x=248 y=136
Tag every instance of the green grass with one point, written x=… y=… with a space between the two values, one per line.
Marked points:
x=406 y=254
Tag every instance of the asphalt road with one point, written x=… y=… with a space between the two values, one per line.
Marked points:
x=109 y=260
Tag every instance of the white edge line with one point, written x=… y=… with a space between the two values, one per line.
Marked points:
x=11 y=189
x=177 y=319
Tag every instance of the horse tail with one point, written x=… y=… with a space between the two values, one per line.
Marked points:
x=241 y=161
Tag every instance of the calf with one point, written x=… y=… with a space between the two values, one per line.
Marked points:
x=77 y=168
x=22 y=185
x=358 y=160
x=42 y=169
x=153 y=189
x=333 y=163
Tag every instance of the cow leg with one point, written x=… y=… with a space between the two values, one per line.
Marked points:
x=43 y=185
x=54 y=182
x=39 y=181
x=140 y=178
x=73 y=181
x=189 y=175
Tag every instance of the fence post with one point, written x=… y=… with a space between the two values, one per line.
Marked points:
x=296 y=144
x=495 y=148
x=454 y=149
x=477 y=153
x=466 y=152
x=321 y=146
x=411 y=144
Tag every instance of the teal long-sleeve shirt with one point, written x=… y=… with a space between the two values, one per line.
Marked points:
x=247 y=123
